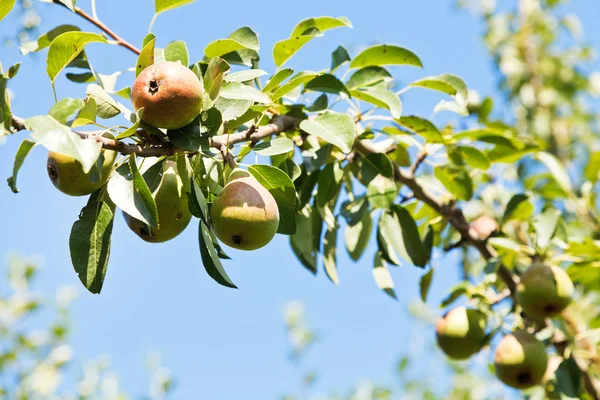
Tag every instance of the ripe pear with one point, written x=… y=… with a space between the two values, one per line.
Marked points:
x=245 y=215
x=521 y=360
x=66 y=173
x=170 y=93
x=544 y=290
x=171 y=202
x=460 y=332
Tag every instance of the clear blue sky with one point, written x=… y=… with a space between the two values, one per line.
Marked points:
x=222 y=343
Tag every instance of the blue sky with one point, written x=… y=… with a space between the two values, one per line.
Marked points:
x=222 y=343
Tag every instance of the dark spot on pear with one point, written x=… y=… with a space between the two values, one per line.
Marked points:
x=52 y=172
x=550 y=308
x=153 y=86
x=524 y=378
x=144 y=232
x=237 y=239
x=179 y=216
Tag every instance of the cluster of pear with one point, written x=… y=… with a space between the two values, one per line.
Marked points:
x=520 y=358
x=244 y=214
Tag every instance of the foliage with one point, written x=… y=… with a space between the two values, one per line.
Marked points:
x=343 y=157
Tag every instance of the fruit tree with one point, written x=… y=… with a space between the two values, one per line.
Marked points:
x=516 y=195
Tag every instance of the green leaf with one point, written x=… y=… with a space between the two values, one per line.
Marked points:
x=24 y=149
x=568 y=377
x=164 y=5
x=66 y=47
x=44 y=40
x=329 y=183
x=89 y=242
x=146 y=57
x=382 y=276
x=384 y=244
x=327 y=83
x=321 y=23
x=133 y=128
x=129 y=191
x=376 y=164
x=177 y=51
x=294 y=82
x=422 y=127
x=456 y=180
x=273 y=147
x=239 y=91
x=285 y=49
x=66 y=107
x=276 y=79
x=335 y=128
x=385 y=54
x=381 y=192
x=474 y=157
x=411 y=237
x=339 y=57
x=213 y=77
x=107 y=107
x=5 y=7
x=232 y=109
x=245 y=76
x=368 y=76
x=241 y=39
x=210 y=257
x=593 y=167
x=279 y=184
x=545 y=226
x=381 y=98
x=557 y=169
x=330 y=254
x=446 y=83
x=87 y=114
x=358 y=235
x=60 y=139
x=320 y=104
x=302 y=242
x=519 y=207
x=425 y=284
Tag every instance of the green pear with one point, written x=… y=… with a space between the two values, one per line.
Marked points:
x=66 y=173
x=244 y=214
x=460 y=332
x=171 y=202
x=520 y=360
x=170 y=93
x=544 y=291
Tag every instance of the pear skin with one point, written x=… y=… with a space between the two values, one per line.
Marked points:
x=460 y=333
x=66 y=173
x=544 y=291
x=520 y=360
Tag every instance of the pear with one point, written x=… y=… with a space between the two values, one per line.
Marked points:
x=544 y=290
x=521 y=360
x=460 y=332
x=171 y=202
x=244 y=214
x=66 y=173
x=170 y=93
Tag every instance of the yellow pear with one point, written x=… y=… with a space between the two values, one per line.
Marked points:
x=544 y=290
x=171 y=203
x=520 y=360
x=460 y=332
x=244 y=214
x=66 y=173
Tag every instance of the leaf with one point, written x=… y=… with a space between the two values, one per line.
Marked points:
x=146 y=57
x=279 y=184
x=294 y=82
x=321 y=23
x=456 y=180
x=87 y=114
x=285 y=49
x=385 y=54
x=327 y=83
x=22 y=152
x=273 y=147
x=568 y=377
x=128 y=189
x=335 y=128
x=232 y=109
x=239 y=91
x=245 y=76
x=381 y=192
x=329 y=183
x=330 y=255
x=66 y=107
x=89 y=242
x=558 y=171
x=339 y=57
x=382 y=276
x=276 y=79
x=302 y=242
x=60 y=139
x=381 y=98
x=66 y=47
x=545 y=226
x=243 y=38
x=320 y=104
x=210 y=258
x=164 y=5
x=376 y=164
x=213 y=77
x=422 y=127
x=425 y=284
x=357 y=235
x=5 y=7
x=474 y=157
x=44 y=40
x=519 y=207
x=411 y=237
x=107 y=107
x=446 y=83
x=368 y=76
x=177 y=51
